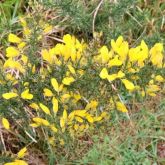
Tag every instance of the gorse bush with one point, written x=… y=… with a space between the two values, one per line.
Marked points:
x=57 y=92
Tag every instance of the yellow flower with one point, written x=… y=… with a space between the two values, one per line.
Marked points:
x=21 y=45
x=104 y=114
x=68 y=80
x=48 y=92
x=145 y=50
x=68 y=39
x=10 y=77
x=33 y=69
x=99 y=118
x=63 y=120
x=62 y=124
x=41 y=121
x=24 y=58
x=26 y=84
x=12 y=52
x=55 y=84
x=53 y=128
x=22 y=152
x=81 y=113
x=134 y=54
x=112 y=77
x=65 y=114
x=6 y=123
x=123 y=51
x=26 y=95
x=20 y=162
x=152 y=89
x=120 y=74
x=10 y=63
x=121 y=107
x=104 y=73
x=105 y=54
x=120 y=47
x=156 y=54
x=89 y=118
x=129 y=85
x=115 y=62
x=17 y=162
x=151 y=82
x=116 y=45
x=34 y=125
x=65 y=97
x=55 y=105
x=92 y=105
x=76 y=126
x=79 y=119
x=71 y=69
x=13 y=38
x=9 y=95
x=46 y=56
x=44 y=108
x=159 y=78
x=34 y=106
x=77 y=97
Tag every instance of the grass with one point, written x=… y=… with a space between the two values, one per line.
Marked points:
x=128 y=144
x=9 y=12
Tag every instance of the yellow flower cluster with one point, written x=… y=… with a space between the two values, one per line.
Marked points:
x=70 y=90
x=129 y=64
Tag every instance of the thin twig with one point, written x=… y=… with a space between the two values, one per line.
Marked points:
x=31 y=137
x=139 y=37
x=3 y=58
x=85 y=100
x=34 y=140
x=94 y=16
x=55 y=38
x=163 y=21
x=2 y=139
x=134 y=19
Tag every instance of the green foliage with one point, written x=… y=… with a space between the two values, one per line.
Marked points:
x=134 y=19
x=122 y=139
x=9 y=12
x=137 y=144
